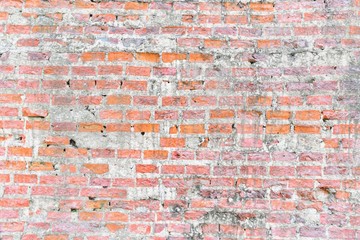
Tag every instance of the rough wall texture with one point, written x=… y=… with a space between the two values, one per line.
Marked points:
x=179 y=120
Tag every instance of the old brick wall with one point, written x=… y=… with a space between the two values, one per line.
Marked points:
x=171 y=120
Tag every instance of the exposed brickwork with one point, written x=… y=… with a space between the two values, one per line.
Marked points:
x=179 y=119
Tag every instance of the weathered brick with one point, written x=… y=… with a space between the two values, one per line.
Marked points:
x=145 y=119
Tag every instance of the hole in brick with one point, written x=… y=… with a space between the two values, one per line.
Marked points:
x=73 y=143
x=240 y=4
x=252 y=59
x=176 y=209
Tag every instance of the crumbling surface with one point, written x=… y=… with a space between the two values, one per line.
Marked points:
x=179 y=119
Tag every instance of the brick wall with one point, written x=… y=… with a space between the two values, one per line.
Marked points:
x=171 y=120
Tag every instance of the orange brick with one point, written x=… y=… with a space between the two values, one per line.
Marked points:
x=51 y=152
x=200 y=57
x=111 y=114
x=156 y=154
x=10 y=98
x=174 y=101
x=39 y=125
x=134 y=85
x=41 y=166
x=277 y=129
x=44 y=29
x=136 y=6
x=120 y=56
x=172 y=142
x=20 y=151
x=98 y=204
x=118 y=127
x=30 y=42
x=27 y=112
x=4 y=15
x=342 y=195
x=268 y=43
x=93 y=56
x=119 y=100
x=110 y=70
x=354 y=30
x=90 y=216
x=262 y=18
x=190 y=85
x=233 y=6
x=222 y=114
x=307 y=129
x=331 y=143
x=14 y=202
x=214 y=43
x=192 y=129
x=346 y=128
x=146 y=168
x=91 y=127
x=56 y=70
x=220 y=128
x=138 y=115
x=202 y=170
x=171 y=57
x=261 y=7
x=173 y=169
x=173 y=129
x=116 y=217
x=146 y=127
x=138 y=71
x=13 y=165
x=259 y=101
x=309 y=115
x=56 y=237
x=18 y=29
x=97 y=168
x=148 y=57
x=278 y=114
x=112 y=227
x=25 y=178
